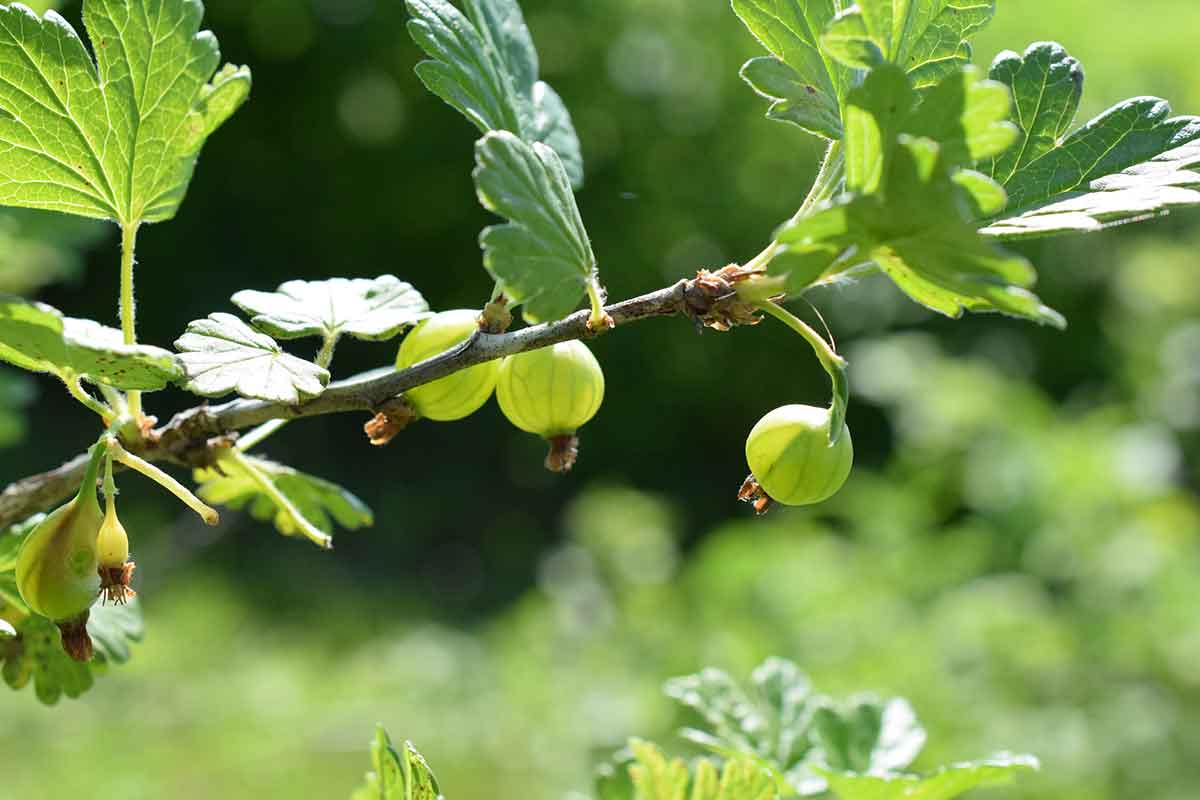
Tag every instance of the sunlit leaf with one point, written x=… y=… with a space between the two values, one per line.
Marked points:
x=374 y=310
x=320 y=502
x=1131 y=162
x=36 y=337
x=222 y=354
x=804 y=87
x=115 y=138
x=928 y=39
x=542 y=257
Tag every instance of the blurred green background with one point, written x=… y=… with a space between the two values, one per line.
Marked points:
x=1018 y=550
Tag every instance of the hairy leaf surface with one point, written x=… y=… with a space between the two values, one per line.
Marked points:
x=485 y=65
x=37 y=337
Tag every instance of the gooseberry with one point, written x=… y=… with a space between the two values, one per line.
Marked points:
x=58 y=567
x=455 y=396
x=112 y=546
x=552 y=392
x=791 y=460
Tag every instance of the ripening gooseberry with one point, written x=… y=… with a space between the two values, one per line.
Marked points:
x=791 y=458
x=455 y=396
x=112 y=546
x=57 y=567
x=552 y=392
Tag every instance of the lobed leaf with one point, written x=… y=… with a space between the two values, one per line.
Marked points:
x=945 y=784
x=542 y=258
x=37 y=337
x=36 y=657
x=928 y=39
x=1131 y=162
x=485 y=65
x=374 y=310
x=115 y=138
x=222 y=354
x=321 y=502
x=114 y=628
x=804 y=85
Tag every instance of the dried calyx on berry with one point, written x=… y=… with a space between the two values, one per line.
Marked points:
x=454 y=396
x=552 y=392
x=792 y=461
x=112 y=547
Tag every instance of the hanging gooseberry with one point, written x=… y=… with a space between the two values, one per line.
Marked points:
x=58 y=568
x=552 y=392
x=455 y=396
x=791 y=460
x=112 y=551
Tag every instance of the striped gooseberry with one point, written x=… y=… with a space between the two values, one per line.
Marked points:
x=552 y=392
x=455 y=396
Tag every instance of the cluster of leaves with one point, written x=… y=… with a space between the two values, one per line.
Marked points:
x=928 y=174
x=778 y=739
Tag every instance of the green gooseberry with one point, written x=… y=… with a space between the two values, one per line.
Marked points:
x=58 y=568
x=455 y=396
x=791 y=459
x=552 y=392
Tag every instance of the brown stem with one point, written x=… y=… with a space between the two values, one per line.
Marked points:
x=197 y=436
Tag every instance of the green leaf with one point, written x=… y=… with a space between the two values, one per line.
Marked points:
x=222 y=354
x=37 y=337
x=37 y=657
x=911 y=211
x=116 y=138
x=320 y=502
x=655 y=777
x=945 y=784
x=397 y=776
x=966 y=116
x=1131 y=162
x=484 y=64
x=866 y=735
x=779 y=723
x=804 y=86
x=114 y=628
x=920 y=233
x=374 y=310
x=769 y=723
x=928 y=39
x=542 y=257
